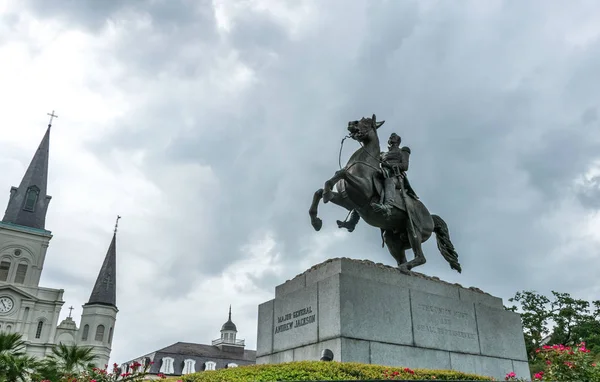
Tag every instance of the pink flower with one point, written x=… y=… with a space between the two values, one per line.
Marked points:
x=510 y=375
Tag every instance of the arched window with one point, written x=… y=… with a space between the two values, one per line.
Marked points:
x=189 y=366
x=86 y=331
x=38 y=330
x=210 y=365
x=4 y=268
x=166 y=366
x=8 y=328
x=110 y=333
x=21 y=273
x=31 y=198
x=99 y=333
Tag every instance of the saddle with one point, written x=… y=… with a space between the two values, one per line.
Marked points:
x=398 y=200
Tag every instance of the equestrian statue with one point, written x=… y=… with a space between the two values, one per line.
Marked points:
x=374 y=186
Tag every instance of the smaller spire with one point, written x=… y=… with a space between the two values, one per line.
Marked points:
x=105 y=289
x=229 y=312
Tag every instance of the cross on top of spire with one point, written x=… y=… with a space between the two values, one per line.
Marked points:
x=117 y=223
x=52 y=115
x=70 y=311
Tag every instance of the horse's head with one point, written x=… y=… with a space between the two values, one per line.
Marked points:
x=364 y=130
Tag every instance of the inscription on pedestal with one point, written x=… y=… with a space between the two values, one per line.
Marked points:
x=443 y=323
x=297 y=319
x=438 y=324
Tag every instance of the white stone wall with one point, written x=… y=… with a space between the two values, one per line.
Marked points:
x=65 y=338
x=31 y=304
x=94 y=316
x=27 y=247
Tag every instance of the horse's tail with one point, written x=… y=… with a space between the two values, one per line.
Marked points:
x=444 y=244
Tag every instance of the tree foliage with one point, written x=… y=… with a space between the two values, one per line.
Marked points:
x=63 y=362
x=15 y=366
x=66 y=361
x=560 y=319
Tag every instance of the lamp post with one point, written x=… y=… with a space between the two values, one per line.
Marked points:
x=326 y=355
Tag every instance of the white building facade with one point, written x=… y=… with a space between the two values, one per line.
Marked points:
x=25 y=306
x=183 y=358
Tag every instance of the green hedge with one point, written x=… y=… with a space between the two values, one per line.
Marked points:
x=323 y=371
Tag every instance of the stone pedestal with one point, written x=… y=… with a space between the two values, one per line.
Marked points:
x=371 y=313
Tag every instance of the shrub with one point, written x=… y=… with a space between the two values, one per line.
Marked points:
x=325 y=371
x=563 y=363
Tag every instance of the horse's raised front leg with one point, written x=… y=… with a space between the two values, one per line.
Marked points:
x=336 y=198
x=316 y=222
x=328 y=194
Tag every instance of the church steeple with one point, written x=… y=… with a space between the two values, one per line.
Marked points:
x=28 y=203
x=105 y=289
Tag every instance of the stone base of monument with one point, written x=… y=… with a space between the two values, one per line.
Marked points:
x=371 y=313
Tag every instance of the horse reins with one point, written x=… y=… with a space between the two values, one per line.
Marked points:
x=341 y=147
x=362 y=147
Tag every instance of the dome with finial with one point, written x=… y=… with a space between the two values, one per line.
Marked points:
x=229 y=325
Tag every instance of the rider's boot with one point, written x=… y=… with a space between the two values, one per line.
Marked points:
x=350 y=223
x=385 y=207
x=388 y=199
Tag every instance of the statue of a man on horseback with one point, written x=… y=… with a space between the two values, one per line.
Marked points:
x=362 y=190
x=394 y=164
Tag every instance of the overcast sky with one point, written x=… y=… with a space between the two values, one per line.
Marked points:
x=208 y=125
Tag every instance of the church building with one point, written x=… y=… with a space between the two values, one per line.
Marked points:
x=183 y=358
x=25 y=306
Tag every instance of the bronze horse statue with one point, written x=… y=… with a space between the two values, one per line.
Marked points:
x=360 y=184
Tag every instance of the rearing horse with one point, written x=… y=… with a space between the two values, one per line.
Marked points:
x=360 y=183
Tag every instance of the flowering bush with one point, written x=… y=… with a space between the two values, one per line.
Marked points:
x=512 y=376
x=563 y=363
x=136 y=374
x=398 y=374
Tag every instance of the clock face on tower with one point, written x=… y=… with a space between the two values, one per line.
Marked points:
x=6 y=304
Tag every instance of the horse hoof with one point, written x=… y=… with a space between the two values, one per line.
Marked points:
x=317 y=224
x=404 y=269
x=342 y=224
